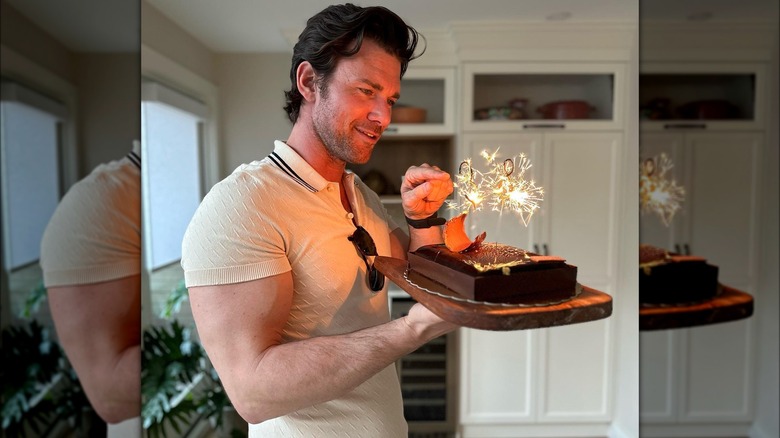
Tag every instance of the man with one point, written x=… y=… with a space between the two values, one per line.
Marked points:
x=277 y=258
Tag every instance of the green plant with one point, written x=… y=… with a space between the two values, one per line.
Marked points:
x=33 y=302
x=174 y=301
x=171 y=362
x=179 y=386
x=40 y=387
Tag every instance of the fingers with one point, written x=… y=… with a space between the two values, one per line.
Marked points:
x=417 y=175
x=424 y=189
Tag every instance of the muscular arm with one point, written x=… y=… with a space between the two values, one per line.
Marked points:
x=240 y=326
x=99 y=327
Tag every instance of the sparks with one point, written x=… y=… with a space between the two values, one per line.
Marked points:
x=503 y=187
x=657 y=194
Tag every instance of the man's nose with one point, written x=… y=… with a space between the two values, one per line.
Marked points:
x=380 y=113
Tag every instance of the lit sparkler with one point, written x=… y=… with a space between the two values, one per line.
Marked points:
x=657 y=194
x=503 y=187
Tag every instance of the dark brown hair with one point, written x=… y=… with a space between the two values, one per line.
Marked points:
x=338 y=31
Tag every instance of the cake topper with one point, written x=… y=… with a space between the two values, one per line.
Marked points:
x=657 y=194
x=503 y=187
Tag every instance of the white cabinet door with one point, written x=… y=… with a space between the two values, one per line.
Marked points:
x=709 y=367
x=579 y=178
x=497 y=376
x=506 y=227
x=724 y=185
x=723 y=228
x=658 y=376
x=652 y=230
x=579 y=224
x=717 y=377
x=559 y=375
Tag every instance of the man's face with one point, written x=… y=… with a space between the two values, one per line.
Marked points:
x=354 y=108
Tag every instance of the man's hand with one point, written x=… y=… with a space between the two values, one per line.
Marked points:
x=423 y=190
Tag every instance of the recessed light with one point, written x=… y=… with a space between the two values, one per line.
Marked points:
x=699 y=16
x=559 y=16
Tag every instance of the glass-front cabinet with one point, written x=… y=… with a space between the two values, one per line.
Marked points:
x=427 y=103
x=521 y=96
x=724 y=97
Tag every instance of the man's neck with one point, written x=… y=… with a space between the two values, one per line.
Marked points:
x=311 y=149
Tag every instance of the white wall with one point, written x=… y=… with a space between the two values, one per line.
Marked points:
x=252 y=99
x=167 y=38
x=109 y=107
x=23 y=36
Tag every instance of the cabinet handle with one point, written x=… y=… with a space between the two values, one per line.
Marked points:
x=685 y=126
x=544 y=125
x=536 y=248
x=391 y=129
x=546 y=252
x=677 y=248
x=687 y=249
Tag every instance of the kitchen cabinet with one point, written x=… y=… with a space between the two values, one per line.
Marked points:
x=703 y=96
x=705 y=374
x=700 y=380
x=576 y=171
x=493 y=86
x=558 y=375
x=432 y=89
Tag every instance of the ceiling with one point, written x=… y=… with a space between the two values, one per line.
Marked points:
x=258 y=26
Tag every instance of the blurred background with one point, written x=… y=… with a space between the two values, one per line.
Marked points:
x=201 y=84
x=70 y=100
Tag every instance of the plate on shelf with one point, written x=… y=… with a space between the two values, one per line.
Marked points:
x=588 y=305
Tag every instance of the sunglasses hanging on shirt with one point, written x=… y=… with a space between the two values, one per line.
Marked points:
x=365 y=245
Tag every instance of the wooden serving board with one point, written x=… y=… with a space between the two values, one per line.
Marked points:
x=589 y=305
x=729 y=305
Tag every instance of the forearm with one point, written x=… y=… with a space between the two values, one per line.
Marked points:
x=424 y=236
x=291 y=376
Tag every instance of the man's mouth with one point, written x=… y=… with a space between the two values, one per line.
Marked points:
x=371 y=133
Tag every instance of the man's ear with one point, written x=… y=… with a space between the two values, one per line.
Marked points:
x=306 y=79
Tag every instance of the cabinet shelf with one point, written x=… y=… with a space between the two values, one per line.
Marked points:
x=432 y=89
x=490 y=89
x=696 y=96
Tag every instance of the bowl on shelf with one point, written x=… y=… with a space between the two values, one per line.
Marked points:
x=566 y=109
x=408 y=114
x=708 y=109
x=499 y=113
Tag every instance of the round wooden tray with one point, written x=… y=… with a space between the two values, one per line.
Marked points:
x=588 y=305
x=729 y=305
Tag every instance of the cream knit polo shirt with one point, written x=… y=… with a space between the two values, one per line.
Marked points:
x=94 y=234
x=277 y=215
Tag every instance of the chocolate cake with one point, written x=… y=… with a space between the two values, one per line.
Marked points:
x=496 y=272
x=670 y=278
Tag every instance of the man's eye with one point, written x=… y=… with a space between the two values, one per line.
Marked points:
x=366 y=91
x=391 y=102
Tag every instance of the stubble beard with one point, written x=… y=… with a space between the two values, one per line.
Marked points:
x=337 y=144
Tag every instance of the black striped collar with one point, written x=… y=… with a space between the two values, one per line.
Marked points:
x=134 y=158
x=289 y=162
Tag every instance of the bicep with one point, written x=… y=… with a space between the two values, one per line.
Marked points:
x=237 y=323
x=97 y=320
